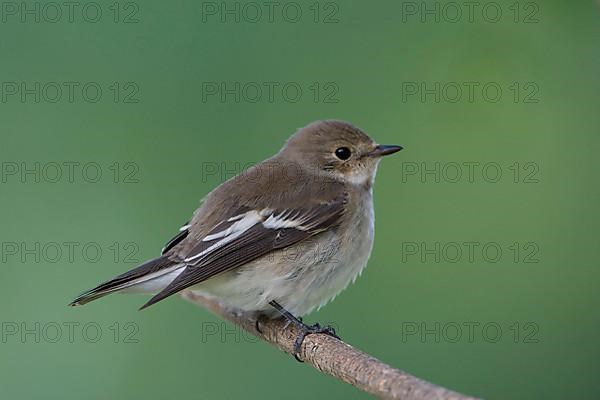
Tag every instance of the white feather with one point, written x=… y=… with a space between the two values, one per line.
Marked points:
x=155 y=282
x=236 y=230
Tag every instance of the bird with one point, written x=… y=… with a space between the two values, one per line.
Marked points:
x=280 y=239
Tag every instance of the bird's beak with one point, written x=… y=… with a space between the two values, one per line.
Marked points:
x=385 y=149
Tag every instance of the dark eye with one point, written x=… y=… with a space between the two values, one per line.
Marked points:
x=343 y=153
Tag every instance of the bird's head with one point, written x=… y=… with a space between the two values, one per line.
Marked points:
x=337 y=149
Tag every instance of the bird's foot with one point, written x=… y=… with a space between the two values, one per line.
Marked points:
x=306 y=330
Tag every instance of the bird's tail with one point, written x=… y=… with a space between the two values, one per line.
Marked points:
x=151 y=276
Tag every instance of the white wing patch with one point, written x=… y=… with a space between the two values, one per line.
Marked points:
x=243 y=222
x=236 y=218
x=287 y=219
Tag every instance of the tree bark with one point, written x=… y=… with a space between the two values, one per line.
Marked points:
x=336 y=358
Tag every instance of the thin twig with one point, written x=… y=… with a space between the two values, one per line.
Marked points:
x=336 y=358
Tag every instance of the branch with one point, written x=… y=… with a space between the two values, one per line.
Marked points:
x=336 y=358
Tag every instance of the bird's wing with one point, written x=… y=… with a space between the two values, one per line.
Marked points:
x=244 y=237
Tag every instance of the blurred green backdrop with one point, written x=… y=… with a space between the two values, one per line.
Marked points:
x=484 y=273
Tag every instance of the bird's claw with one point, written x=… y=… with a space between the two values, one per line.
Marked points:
x=308 y=330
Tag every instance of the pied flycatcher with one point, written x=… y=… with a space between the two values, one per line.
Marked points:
x=282 y=238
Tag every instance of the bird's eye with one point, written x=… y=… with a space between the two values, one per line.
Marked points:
x=343 y=153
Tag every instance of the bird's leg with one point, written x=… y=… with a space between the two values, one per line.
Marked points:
x=305 y=330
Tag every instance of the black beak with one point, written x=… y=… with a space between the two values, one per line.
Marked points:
x=384 y=150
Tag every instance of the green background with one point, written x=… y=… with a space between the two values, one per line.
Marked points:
x=175 y=135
